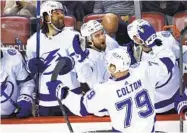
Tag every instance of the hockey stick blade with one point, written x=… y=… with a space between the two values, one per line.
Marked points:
x=54 y=76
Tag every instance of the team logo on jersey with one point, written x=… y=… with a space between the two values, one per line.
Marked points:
x=49 y=59
x=7 y=89
x=126 y=83
x=11 y=51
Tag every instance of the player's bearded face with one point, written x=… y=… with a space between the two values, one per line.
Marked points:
x=99 y=40
x=57 y=19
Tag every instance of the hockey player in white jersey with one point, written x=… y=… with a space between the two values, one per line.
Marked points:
x=16 y=86
x=150 y=44
x=128 y=95
x=55 y=42
x=92 y=70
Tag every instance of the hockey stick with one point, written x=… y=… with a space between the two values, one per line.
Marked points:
x=35 y=96
x=54 y=76
x=181 y=75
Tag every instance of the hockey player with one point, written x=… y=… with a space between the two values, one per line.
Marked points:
x=128 y=95
x=92 y=70
x=16 y=86
x=148 y=44
x=55 y=42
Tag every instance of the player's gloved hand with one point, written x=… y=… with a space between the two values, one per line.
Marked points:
x=130 y=49
x=79 y=46
x=36 y=65
x=69 y=65
x=25 y=103
x=58 y=89
x=180 y=103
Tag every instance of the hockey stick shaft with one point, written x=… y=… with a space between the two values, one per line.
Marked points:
x=38 y=31
x=181 y=76
x=54 y=76
x=37 y=56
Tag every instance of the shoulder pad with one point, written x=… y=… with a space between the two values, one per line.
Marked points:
x=11 y=52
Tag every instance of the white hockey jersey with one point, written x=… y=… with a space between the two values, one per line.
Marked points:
x=167 y=88
x=93 y=69
x=129 y=99
x=51 y=49
x=15 y=78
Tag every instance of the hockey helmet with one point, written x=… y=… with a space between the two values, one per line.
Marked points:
x=120 y=58
x=144 y=31
x=92 y=26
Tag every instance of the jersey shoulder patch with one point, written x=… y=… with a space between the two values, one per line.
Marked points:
x=11 y=52
x=165 y=33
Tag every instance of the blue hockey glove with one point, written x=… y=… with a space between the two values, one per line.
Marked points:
x=180 y=103
x=130 y=49
x=58 y=89
x=36 y=65
x=80 y=49
x=25 y=103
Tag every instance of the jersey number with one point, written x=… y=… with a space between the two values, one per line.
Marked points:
x=141 y=100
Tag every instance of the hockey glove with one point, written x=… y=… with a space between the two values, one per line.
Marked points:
x=180 y=103
x=25 y=103
x=36 y=65
x=79 y=47
x=130 y=49
x=58 y=89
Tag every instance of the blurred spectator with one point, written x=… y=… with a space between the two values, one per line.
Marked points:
x=116 y=28
x=88 y=6
x=78 y=9
x=169 y=8
x=122 y=8
x=26 y=8
x=166 y=7
x=184 y=4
